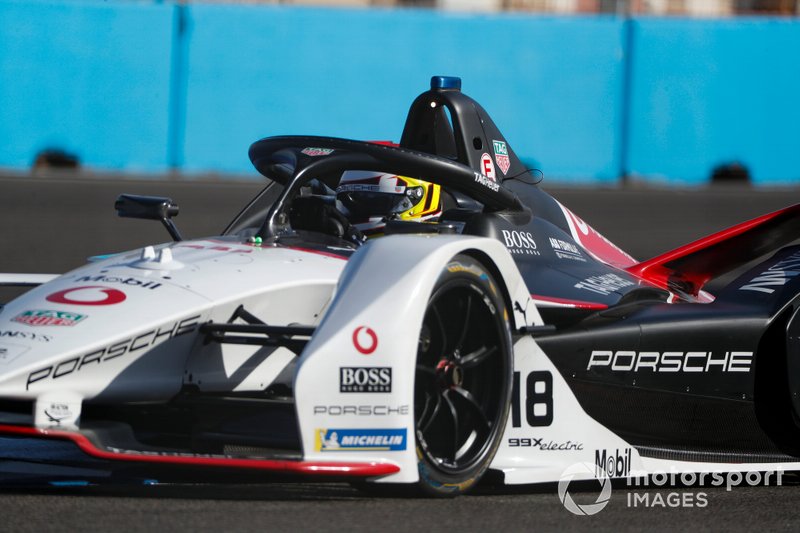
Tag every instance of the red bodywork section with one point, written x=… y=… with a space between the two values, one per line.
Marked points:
x=593 y=242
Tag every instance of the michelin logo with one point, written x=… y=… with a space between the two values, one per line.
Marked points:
x=346 y=440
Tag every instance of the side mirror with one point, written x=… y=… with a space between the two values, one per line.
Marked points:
x=151 y=208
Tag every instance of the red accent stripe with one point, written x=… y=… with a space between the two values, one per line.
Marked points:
x=366 y=469
x=385 y=143
x=578 y=304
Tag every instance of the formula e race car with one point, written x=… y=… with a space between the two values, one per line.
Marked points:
x=499 y=334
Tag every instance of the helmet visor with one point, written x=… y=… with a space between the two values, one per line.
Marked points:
x=366 y=203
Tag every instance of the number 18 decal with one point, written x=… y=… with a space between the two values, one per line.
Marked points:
x=538 y=399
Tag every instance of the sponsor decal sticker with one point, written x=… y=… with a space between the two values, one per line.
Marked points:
x=605 y=284
x=777 y=275
x=582 y=226
x=89 y=295
x=316 y=152
x=148 y=339
x=500 y=148
x=486 y=182
x=359 y=440
x=25 y=335
x=702 y=362
x=501 y=156
x=487 y=167
x=523 y=310
x=365 y=379
x=46 y=317
x=566 y=250
x=456 y=266
x=57 y=409
x=595 y=243
x=360 y=410
x=520 y=242
x=541 y=444
x=56 y=412
x=9 y=352
x=129 y=281
x=365 y=340
x=612 y=464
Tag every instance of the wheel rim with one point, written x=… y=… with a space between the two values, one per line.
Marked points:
x=459 y=391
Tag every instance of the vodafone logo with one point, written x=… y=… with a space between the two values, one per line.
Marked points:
x=365 y=340
x=91 y=295
x=487 y=166
x=582 y=226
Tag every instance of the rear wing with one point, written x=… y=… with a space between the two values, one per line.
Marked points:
x=691 y=266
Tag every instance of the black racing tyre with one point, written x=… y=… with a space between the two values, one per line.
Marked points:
x=462 y=387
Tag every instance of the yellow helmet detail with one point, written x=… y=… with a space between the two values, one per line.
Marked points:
x=369 y=199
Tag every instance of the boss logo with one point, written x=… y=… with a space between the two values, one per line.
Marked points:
x=520 y=242
x=365 y=379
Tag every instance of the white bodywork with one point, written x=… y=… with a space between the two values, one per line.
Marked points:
x=69 y=334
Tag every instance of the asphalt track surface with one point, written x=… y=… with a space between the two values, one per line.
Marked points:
x=50 y=224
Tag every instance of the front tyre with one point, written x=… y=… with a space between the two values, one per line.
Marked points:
x=462 y=386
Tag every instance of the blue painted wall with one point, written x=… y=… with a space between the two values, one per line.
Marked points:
x=93 y=79
x=353 y=73
x=709 y=92
x=154 y=86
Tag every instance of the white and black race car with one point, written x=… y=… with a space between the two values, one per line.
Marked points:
x=507 y=337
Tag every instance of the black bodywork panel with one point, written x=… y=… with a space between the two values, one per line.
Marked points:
x=713 y=381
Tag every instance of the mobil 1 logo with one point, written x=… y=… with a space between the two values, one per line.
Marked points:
x=365 y=379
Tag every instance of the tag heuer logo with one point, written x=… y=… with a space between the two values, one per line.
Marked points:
x=48 y=318
x=500 y=148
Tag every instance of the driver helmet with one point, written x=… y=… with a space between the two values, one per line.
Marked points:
x=369 y=199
